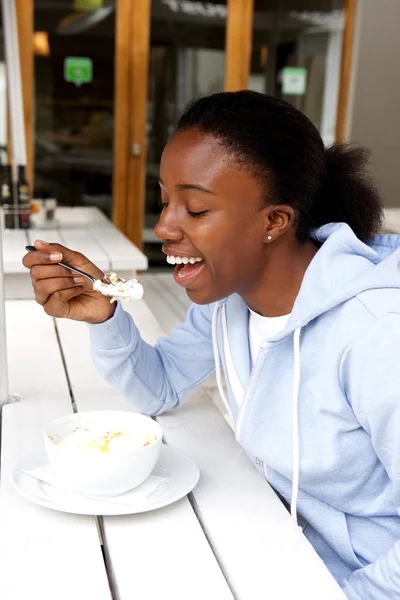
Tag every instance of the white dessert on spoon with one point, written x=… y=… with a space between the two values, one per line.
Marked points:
x=115 y=287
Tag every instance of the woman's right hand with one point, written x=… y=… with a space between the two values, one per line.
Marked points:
x=63 y=293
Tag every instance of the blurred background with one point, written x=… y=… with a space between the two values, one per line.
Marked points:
x=104 y=84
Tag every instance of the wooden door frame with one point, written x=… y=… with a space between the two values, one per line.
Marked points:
x=131 y=89
x=350 y=8
x=238 y=45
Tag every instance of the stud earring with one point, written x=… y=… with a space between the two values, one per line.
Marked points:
x=269 y=237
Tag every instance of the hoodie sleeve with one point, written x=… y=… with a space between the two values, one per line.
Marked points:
x=154 y=379
x=373 y=389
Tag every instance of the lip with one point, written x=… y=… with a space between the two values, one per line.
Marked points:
x=185 y=282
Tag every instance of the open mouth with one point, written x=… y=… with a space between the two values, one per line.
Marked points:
x=187 y=268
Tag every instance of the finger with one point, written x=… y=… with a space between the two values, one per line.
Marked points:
x=40 y=258
x=44 y=288
x=49 y=272
x=57 y=304
x=70 y=257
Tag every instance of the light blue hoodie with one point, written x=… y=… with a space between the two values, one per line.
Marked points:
x=319 y=412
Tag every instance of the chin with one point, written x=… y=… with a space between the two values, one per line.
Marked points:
x=203 y=296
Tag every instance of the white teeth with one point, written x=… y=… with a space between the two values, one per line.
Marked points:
x=178 y=260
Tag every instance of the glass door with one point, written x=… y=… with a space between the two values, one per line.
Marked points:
x=74 y=55
x=297 y=48
x=187 y=61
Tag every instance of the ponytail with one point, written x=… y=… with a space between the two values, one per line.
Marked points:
x=348 y=193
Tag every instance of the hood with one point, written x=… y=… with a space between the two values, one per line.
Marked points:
x=342 y=268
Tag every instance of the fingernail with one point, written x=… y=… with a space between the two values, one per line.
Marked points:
x=42 y=242
x=56 y=257
x=79 y=279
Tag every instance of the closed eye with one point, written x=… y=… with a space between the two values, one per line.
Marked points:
x=197 y=214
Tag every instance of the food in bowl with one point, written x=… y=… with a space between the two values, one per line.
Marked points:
x=103 y=452
x=83 y=438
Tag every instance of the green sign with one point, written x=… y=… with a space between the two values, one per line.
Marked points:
x=78 y=70
x=88 y=5
x=294 y=81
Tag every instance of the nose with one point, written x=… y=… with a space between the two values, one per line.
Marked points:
x=168 y=227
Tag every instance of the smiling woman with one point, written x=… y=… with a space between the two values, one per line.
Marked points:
x=296 y=299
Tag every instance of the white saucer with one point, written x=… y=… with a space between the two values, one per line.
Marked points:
x=182 y=472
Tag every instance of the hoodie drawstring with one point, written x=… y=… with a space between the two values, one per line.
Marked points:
x=295 y=401
x=295 y=425
x=217 y=358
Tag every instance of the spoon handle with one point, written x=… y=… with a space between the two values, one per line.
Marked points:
x=74 y=269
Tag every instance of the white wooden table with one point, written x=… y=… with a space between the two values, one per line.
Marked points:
x=231 y=539
x=85 y=229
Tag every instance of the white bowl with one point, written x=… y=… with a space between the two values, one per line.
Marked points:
x=96 y=473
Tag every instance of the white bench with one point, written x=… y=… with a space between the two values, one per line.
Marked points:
x=85 y=229
x=231 y=539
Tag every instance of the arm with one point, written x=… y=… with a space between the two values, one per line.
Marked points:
x=372 y=376
x=158 y=378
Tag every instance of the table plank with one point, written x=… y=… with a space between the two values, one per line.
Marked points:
x=82 y=241
x=140 y=545
x=43 y=553
x=72 y=217
x=251 y=533
x=48 y=235
x=123 y=255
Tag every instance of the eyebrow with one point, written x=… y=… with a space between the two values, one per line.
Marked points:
x=189 y=186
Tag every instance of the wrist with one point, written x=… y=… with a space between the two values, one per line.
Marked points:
x=107 y=315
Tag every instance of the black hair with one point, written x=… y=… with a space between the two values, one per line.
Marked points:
x=285 y=150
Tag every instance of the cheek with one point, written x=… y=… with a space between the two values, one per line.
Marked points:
x=236 y=248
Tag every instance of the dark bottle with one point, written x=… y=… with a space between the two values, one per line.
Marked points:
x=7 y=197
x=23 y=198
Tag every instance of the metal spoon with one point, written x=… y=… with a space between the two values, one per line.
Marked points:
x=112 y=293
x=74 y=269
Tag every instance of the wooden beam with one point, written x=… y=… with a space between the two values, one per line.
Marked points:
x=139 y=64
x=24 y=11
x=123 y=41
x=347 y=51
x=239 y=36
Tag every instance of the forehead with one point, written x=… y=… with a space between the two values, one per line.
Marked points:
x=191 y=155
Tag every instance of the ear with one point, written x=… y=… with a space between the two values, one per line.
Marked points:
x=278 y=219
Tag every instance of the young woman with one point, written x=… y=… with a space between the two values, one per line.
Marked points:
x=295 y=299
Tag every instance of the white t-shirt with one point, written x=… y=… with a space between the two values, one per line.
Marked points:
x=262 y=328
